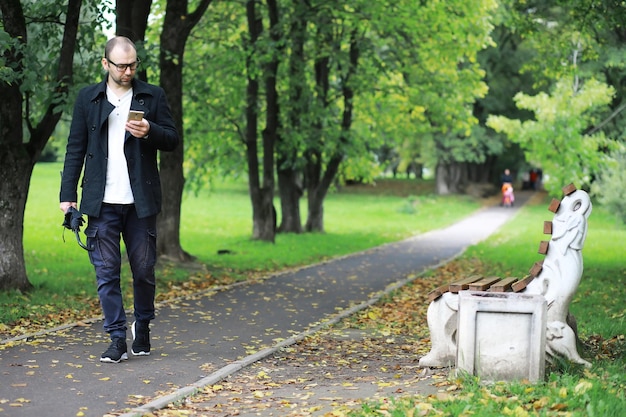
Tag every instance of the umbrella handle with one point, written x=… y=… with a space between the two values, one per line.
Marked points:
x=80 y=242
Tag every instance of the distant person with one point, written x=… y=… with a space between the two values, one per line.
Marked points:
x=539 y=183
x=121 y=188
x=533 y=179
x=506 y=177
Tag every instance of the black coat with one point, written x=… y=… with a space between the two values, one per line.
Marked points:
x=88 y=144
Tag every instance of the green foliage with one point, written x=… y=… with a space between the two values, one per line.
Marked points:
x=421 y=58
x=442 y=74
x=611 y=186
x=557 y=140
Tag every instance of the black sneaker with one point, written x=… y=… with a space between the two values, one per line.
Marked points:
x=116 y=351
x=141 y=339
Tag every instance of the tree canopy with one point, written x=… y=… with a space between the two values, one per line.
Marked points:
x=297 y=96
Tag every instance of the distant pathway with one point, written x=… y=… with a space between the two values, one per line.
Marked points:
x=59 y=374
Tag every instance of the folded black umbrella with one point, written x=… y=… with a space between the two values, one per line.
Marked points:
x=73 y=221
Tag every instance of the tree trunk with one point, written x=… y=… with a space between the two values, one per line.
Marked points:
x=17 y=156
x=290 y=192
x=173 y=38
x=261 y=196
x=479 y=173
x=16 y=166
x=319 y=186
x=315 y=201
x=450 y=178
x=289 y=177
x=131 y=18
x=313 y=156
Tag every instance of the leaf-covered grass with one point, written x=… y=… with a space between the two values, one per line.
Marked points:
x=219 y=219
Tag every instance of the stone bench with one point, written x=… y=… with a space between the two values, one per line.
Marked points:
x=550 y=284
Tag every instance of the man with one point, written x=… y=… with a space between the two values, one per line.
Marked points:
x=121 y=188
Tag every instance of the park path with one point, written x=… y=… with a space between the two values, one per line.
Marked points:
x=58 y=374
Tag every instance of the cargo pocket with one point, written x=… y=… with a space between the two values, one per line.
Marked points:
x=95 y=255
x=150 y=254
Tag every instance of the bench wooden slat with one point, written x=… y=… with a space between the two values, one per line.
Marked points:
x=483 y=284
x=535 y=270
x=554 y=205
x=543 y=247
x=569 y=189
x=522 y=283
x=464 y=283
x=547 y=227
x=437 y=292
x=503 y=285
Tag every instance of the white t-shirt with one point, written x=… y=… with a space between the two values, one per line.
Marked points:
x=117 y=189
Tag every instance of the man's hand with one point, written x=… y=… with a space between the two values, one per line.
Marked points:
x=65 y=206
x=138 y=129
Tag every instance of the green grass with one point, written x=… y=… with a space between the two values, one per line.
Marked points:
x=353 y=222
x=221 y=218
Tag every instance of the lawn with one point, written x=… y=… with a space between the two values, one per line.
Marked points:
x=355 y=219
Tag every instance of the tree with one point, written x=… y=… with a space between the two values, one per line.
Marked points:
x=261 y=187
x=321 y=170
x=177 y=26
x=131 y=20
x=556 y=139
x=577 y=47
x=32 y=98
x=288 y=164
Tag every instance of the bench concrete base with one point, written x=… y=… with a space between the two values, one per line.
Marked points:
x=501 y=336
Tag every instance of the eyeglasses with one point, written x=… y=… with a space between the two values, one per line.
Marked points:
x=123 y=67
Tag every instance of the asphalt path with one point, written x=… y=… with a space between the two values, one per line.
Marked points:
x=203 y=338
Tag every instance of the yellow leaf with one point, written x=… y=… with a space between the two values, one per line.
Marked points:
x=582 y=387
x=106 y=378
x=517 y=412
x=541 y=403
x=423 y=407
x=146 y=381
x=563 y=392
x=69 y=376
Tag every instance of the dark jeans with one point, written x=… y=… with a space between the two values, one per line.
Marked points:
x=103 y=234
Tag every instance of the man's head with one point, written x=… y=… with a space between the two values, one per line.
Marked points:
x=120 y=61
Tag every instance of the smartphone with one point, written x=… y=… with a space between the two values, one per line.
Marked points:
x=135 y=115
